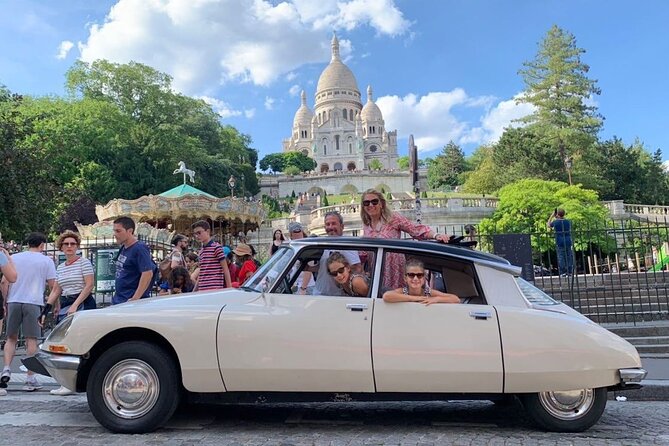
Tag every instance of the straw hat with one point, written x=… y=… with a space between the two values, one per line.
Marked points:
x=242 y=250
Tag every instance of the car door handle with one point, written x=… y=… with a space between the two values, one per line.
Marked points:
x=480 y=314
x=356 y=307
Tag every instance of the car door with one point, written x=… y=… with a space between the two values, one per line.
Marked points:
x=292 y=342
x=436 y=348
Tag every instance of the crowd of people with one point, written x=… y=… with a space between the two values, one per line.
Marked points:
x=27 y=275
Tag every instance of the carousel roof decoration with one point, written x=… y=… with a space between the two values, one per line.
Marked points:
x=185 y=203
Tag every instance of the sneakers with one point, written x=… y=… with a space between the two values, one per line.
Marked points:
x=62 y=391
x=4 y=378
x=31 y=385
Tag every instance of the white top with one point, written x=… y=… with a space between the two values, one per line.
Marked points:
x=325 y=283
x=33 y=269
x=71 y=277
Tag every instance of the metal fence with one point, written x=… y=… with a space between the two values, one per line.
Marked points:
x=620 y=270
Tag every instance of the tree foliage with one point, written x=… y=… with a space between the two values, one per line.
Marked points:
x=446 y=167
x=120 y=134
x=524 y=207
x=279 y=162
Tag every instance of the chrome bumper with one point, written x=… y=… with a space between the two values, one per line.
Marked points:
x=632 y=376
x=63 y=368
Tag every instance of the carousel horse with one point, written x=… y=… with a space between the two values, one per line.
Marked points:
x=182 y=169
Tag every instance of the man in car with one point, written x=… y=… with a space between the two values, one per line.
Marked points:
x=305 y=282
x=325 y=283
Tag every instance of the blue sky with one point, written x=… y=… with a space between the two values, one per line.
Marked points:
x=440 y=69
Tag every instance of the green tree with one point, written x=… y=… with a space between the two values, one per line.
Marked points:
x=524 y=207
x=273 y=161
x=557 y=85
x=446 y=167
x=299 y=160
x=403 y=162
x=487 y=178
x=375 y=165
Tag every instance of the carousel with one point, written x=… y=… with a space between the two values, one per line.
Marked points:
x=159 y=217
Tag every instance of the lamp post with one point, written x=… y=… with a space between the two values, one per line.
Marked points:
x=567 y=165
x=231 y=184
x=243 y=188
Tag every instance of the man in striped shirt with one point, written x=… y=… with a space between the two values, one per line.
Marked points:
x=214 y=273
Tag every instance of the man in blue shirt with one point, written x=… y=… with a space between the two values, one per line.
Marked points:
x=563 y=243
x=134 y=265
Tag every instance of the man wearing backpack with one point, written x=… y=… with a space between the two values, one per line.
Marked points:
x=134 y=265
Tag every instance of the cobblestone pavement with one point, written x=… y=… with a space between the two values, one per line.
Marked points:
x=39 y=418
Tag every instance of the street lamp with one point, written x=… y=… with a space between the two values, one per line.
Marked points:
x=231 y=184
x=243 y=189
x=567 y=165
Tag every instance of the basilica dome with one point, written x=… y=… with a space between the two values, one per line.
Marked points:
x=336 y=75
x=371 y=111
x=303 y=115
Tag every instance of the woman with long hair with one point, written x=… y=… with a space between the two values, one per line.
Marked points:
x=350 y=283
x=180 y=281
x=277 y=239
x=378 y=221
x=416 y=288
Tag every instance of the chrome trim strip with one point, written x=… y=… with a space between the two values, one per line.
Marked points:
x=632 y=375
x=63 y=368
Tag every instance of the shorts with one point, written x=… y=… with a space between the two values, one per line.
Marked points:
x=24 y=316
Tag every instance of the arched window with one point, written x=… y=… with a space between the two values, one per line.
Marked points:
x=337 y=144
x=345 y=117
x=338 y=166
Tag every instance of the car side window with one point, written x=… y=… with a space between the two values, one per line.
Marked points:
x=445 y=274
x=328 y=272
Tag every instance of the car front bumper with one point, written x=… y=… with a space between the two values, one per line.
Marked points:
x=62 y=368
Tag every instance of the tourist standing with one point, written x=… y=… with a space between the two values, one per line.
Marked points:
x=214 y=273
x=277 y=239
x=563 y=244
x=24 y=303
x=8 y=276
x=180 y=245
x=305 y=283
x=245 y=257
x=380 y=222
x=73 y=288
x=134 y=265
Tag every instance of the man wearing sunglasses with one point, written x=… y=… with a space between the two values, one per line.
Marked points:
x=325 y=283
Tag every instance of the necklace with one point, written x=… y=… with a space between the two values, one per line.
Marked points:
x=70 y=262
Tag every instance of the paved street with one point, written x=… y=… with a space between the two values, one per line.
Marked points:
x=39 y=418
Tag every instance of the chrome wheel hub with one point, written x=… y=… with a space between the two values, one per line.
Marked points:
x=131 y=388
x=568 y=404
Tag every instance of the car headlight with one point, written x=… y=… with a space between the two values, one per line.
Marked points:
x=59 y=333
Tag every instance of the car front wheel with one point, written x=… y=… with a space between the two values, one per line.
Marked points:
x=133 y=387
x=566 y=411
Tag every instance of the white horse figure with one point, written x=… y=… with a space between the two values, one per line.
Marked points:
x=182 y=169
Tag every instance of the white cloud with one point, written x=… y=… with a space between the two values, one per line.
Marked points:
x=434 y=122
x=294 y=90
x=202 y=43
x=291 y=76
x=250 y=113
x=220 y=107
x=269 y=103
x=64 y=49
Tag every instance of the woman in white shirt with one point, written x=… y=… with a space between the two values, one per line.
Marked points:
x=74 y=285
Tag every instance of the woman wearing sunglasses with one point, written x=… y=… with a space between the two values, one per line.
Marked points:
x=73 y=288
x=351 y=284
x=380 y=222
x=417 y=289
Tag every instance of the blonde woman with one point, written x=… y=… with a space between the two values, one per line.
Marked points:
x=380 y=222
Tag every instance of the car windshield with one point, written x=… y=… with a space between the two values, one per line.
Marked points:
x=265 y=277
x=534 y=295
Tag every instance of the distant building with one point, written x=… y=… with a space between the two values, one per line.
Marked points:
x=341 y=134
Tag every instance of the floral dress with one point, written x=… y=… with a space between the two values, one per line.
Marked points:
x=393 y=268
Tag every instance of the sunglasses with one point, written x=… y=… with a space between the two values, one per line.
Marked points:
x=414 y=275
x=337 y=272
x=373 y=202
x=69 y=244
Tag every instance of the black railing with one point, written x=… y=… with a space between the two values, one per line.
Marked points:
x=620 y=272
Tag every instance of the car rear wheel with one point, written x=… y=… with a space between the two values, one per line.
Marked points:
x=566 y=411
x=133 y=387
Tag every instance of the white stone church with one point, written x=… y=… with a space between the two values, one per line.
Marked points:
x=341 y=134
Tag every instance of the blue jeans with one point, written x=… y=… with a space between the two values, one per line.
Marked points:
x=565 y=257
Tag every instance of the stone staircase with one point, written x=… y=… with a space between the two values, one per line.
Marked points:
x=651 y=339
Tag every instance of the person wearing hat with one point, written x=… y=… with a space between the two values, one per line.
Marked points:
x=232 y=266
x=245 y=257
x=305 y=283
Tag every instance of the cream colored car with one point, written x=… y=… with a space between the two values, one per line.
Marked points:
x=274 y=340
